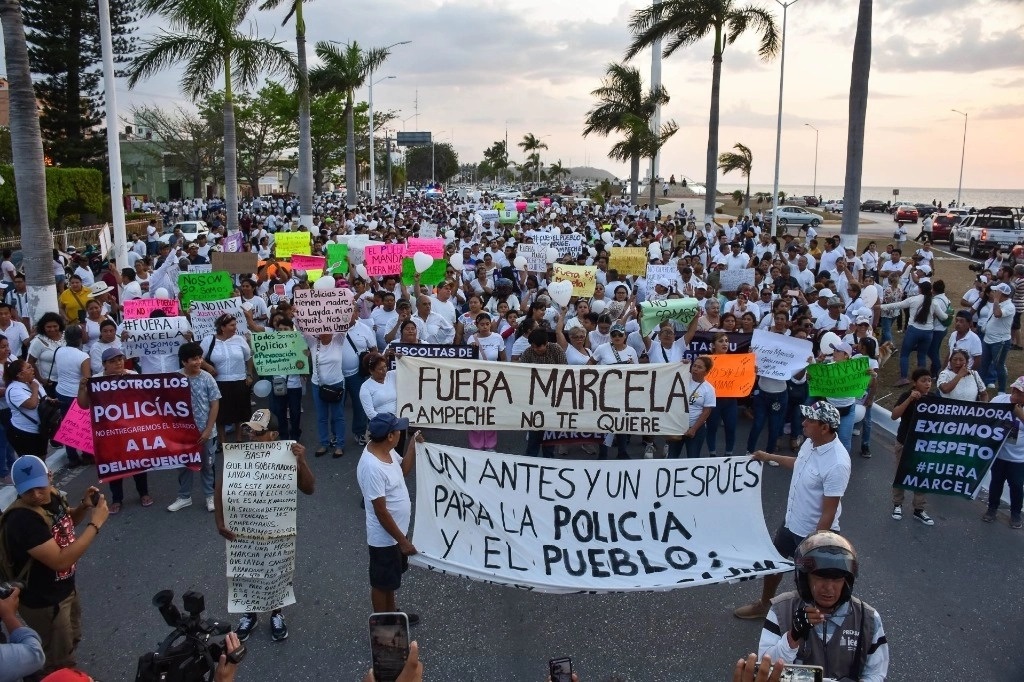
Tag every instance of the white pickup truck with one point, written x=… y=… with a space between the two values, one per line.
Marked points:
x=979 y=232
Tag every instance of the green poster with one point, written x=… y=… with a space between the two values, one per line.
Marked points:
x=278 y=353
x=204 y=286
x=432 y=276
x=846 y=379
x=337 y=258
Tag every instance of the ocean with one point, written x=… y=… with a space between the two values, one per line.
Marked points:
x=979 y=198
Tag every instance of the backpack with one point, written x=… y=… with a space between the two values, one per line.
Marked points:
x=7 y=572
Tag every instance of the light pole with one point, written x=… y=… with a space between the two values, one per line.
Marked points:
x=404 y=120
x=963 y=150
x=373 y=161
x=815 y=190
x=120 y=254
x=433 y=144
x=778 y=128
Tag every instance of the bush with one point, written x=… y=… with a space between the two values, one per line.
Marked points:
x=69 y=192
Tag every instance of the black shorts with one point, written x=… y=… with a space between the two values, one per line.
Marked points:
x=786 y=542
x=387 y=564
x=1016 y=322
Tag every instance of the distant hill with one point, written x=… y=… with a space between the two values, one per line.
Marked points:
x=590 y=173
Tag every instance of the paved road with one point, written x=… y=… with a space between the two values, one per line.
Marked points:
x=947 y=594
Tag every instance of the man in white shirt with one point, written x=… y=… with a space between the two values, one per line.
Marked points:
x=384 y=317
x=802 y=274
x=15 y=332
x=737 y=260
x=432 y=327
x=963 y=338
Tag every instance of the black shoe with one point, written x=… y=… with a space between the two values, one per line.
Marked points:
x=414 y=618
x=246 y=624
x=865 y=452
x=278 y=629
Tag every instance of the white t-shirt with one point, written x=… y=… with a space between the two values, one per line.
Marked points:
x=1013 y=449
x=971 y=343
x=818 y=473
x=699 y=396
x=16 y=335
x=605 y=354
x=379 y=479
x=21 y=417
x=966 y=389
x=67 y=370
x=490 y=345
x=229 y=357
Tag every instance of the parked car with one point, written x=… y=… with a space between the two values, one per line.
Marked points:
x=794 y=215
x=906 y=213
x=811 y=200
x=989 y=227
x=190 y=229
x=925 y=210
x=795 y=201
x=943 y=224
x=873 y=206
x=833 y=206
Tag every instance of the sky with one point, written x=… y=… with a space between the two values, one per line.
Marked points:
x=477 y=67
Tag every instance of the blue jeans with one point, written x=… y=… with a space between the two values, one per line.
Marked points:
x=693 y=445
x=915 y=339
x=995 y=363
x=723 y=413
x=865 y=428
x=206 y=472
x=797 y=397
x=533 y=446
x=359 y=421
x=845 y=431
x=288 y=405
x=886 y=323
x=330 y=415
x=933 y=351
x=770 y=408
x=1012 y=474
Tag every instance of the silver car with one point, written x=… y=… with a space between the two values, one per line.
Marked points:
x=794 y=215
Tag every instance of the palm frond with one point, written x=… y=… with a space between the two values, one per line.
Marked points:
x=161 y=52
x=254 y=57
x=762 y=21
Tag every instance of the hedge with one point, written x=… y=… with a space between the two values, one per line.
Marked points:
x=68 y=191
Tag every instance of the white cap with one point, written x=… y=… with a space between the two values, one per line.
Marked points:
x=827 y=293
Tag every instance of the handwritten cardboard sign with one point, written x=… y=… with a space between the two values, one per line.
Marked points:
x=76 y=429
x=326 y=311
x=734 y=278
x=279 y=353
x=204 y=314
x=204 y=286
x=289 y=243
x=154 y=336
x=384 y=259
x=143 y=307
x=779 y=356
x=536 y=256
x=653 y=313
x=431 y=247
x=432 y=276
x=567 y=244
x=233 y=243
x=583 y=278
x=846 y=379
x=628 y=260
x=733 y=375
x=236 y=263
x=337 y=258
x=313 y=265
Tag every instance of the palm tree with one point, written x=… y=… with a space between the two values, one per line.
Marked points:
x=305 y=137
x=621 y=103
x=534 y=144
x=29 y=166
x=205 y=35
x=741 y=160
x=861 y=69
x=345 y=70
x=685 y=22
x=557 y=170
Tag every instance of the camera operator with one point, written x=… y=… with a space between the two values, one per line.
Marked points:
x=822 y=623
x=23 y=655
x=39 y=541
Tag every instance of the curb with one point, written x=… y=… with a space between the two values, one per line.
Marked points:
x=56 y=461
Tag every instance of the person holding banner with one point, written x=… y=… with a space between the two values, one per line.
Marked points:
x=1008 y=467
x=725 y=410
x=615 y=352
x=921 y=385
x=701 y=399
x=228 y=358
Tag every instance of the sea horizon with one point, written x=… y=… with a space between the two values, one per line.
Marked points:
x=969 y=196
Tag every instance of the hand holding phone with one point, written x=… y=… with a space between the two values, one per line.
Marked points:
x=560 y=669
x=389 y=645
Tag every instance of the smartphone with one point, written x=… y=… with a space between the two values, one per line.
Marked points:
x=389 y=645
x=95 y=498
x=560 y=669
x=799 y=673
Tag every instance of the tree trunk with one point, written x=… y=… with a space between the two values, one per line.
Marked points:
x=305 y=170
x=858 y=116
x=710 y=199
x=350 y=153
x=197 y=185
x=634 y=178
x=230 y=152
x=29 y=167
x=746 y=205
x=653 y=189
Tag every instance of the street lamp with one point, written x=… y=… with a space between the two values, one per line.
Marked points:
x=373 y=161
x=432 y=145
x=815 y=190
x=963 y=150
x=778 y=128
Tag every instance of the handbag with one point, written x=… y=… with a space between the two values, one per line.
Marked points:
x=49 y=385
x=50 y=416
x=330 y=394
x=363 y=371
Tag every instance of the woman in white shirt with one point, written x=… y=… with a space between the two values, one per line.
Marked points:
x=227 y=357
x=71 y=370
x=492 y=349
x=615 y=352
x=959 y=382
x=328 y=379
x=379 y=393
x=701 y=397
x=49 y=337
x=924 y=309
x=870 y=260
x=23 y=394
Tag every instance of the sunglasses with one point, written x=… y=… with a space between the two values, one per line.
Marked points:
x=255 y=432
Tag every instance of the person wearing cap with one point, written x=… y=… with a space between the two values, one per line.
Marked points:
x=263 y=427
x=923 y=309
x=38 y=532
x=995 y=322
x=821 y=472
x=615 y=352
x=841 y=352
x=381 y=474
x=805 y=626
x=834 y=319
x=921 y=385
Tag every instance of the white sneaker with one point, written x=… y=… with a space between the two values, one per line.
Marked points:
x=179 y=504
x=649 y=451
x=209 y=503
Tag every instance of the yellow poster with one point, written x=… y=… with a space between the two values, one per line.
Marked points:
x=288 y=243
x=628 y=260
x=583 y=278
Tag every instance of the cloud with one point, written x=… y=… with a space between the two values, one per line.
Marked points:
x=969 y=50
x=1001 y=112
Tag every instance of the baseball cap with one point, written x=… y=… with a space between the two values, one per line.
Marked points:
x=1018 y=384
x=821 y=411
x=618 y=328
x=262 y=420
x=844 y=347
x=863 y=319
x=29 y=472
x=111 y=353
x=834 y=300
x=1003 y=288
x=827 y=293
x=384 y=423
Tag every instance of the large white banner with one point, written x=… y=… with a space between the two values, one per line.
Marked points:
x=475 y=394
x=779 y=356
x=584 y=526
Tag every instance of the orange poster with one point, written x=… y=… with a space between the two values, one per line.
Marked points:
x=733 y=375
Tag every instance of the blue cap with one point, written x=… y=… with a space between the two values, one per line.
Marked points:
x=384 y=423
x=29 y=472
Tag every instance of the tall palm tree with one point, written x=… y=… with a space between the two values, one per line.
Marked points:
x=345 y=70
x=305 y=138
x=29 y=166
x=644 y=142
x=741 y=160
x=205 y=35
x=557 y=170
x=621 y=103
x=531 y=143
x=685 y=22
x=861 y=69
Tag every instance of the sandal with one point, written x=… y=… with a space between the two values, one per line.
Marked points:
x=147 y=501
x=320 y=451
x=115 y=508
x=338 y=453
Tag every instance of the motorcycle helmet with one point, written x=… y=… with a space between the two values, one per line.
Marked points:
x=828 y=555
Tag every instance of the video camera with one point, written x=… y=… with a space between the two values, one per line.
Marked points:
x=190 y=653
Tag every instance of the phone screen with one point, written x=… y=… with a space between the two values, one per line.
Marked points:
x=389 y=645
x=560 y=669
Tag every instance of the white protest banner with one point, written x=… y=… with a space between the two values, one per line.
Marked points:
x=473 y=394
x=323 y=311
x=581 y=526
x=486 y=216
x=536 y=256
x=427 y=230
x=205 y=313
x=656 y=272
x=734 y=278
x=653 y=313
x=154 y=336
x=567 y=244
x=259 y=493
x=543 y=239
x=779 y=356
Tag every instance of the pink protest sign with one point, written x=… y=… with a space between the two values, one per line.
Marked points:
x=384 y=259
x=432 y=247
x=521 y=206
x=76 y=429
x=141 y=308
x=300 y=262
